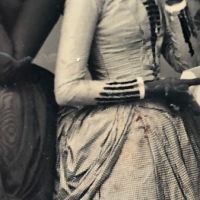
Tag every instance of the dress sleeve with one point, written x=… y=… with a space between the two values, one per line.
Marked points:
x=34 y=22
x=78 y=30
x=5 y=47
x=172 y=44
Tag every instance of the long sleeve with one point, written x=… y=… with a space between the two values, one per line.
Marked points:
x=78 y=29
x=24 y=25
x=5 y=47
x=34 y=22
x=174 y=43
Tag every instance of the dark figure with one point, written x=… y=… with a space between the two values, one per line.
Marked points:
x=27 y=106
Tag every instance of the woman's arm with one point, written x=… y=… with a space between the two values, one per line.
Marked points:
x=178 y=32
x=71 y=88
x=6 y=49
x=23 y=32
x=34 y=22
x=6 y=46
x=79 y=25
x=171 y=48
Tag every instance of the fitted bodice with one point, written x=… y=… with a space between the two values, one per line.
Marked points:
x=122 y=44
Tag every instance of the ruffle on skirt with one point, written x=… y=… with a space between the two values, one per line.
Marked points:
x=27 y=137
x=96 y=161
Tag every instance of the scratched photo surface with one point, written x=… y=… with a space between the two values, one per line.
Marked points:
x=33 y=128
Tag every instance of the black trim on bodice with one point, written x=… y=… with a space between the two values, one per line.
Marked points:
x=155 y=22
x=187 y=28
x=185 y=18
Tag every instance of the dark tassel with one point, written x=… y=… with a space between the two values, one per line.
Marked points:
x=190 y=22
x=187 y=29
x=187 y=25
x=154 y=20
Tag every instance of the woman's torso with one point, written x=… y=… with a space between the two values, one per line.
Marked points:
x=122 y=46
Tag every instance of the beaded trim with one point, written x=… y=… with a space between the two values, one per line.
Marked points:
x=155 y=22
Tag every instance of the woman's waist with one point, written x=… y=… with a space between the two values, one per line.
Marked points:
x=124 y=74
x=123 y=66
x=149 y=103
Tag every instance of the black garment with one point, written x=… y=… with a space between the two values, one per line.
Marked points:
x=27 y=137
x=192 y=126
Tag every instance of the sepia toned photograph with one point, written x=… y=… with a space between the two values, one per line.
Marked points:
x=99 y=99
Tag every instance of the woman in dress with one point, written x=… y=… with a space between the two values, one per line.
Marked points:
x=27 y=105
x=122 y=137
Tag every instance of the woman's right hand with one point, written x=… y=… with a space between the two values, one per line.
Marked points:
x=174 y=90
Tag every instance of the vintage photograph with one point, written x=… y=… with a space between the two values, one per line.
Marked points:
x=99 y=99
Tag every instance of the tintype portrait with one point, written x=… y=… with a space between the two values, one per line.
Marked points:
x=99 y=99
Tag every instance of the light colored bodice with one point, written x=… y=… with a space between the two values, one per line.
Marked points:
x=113 y=38
x=122 y=43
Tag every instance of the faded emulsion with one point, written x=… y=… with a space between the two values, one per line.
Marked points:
x=116 y=136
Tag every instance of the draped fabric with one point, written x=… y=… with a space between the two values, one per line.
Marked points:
x=139 y=150
x=27 y=137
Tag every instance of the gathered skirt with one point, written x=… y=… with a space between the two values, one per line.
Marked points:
x=27 y=137
x=139 y=151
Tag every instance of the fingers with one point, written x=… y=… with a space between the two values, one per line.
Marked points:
x=191 y=82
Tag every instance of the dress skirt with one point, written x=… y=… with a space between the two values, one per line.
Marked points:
x=139 y=151
x=27 y=137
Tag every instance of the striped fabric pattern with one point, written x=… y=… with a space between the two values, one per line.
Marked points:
x=130 y=151
x=142 y=149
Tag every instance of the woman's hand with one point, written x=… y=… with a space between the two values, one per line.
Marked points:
x=174 y=90
x=12 y=67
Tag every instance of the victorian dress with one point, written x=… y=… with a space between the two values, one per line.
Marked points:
x=111 y=143
x=27 y=136
x=27 y=104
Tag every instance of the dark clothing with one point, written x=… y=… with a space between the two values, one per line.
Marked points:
x=27 y=137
